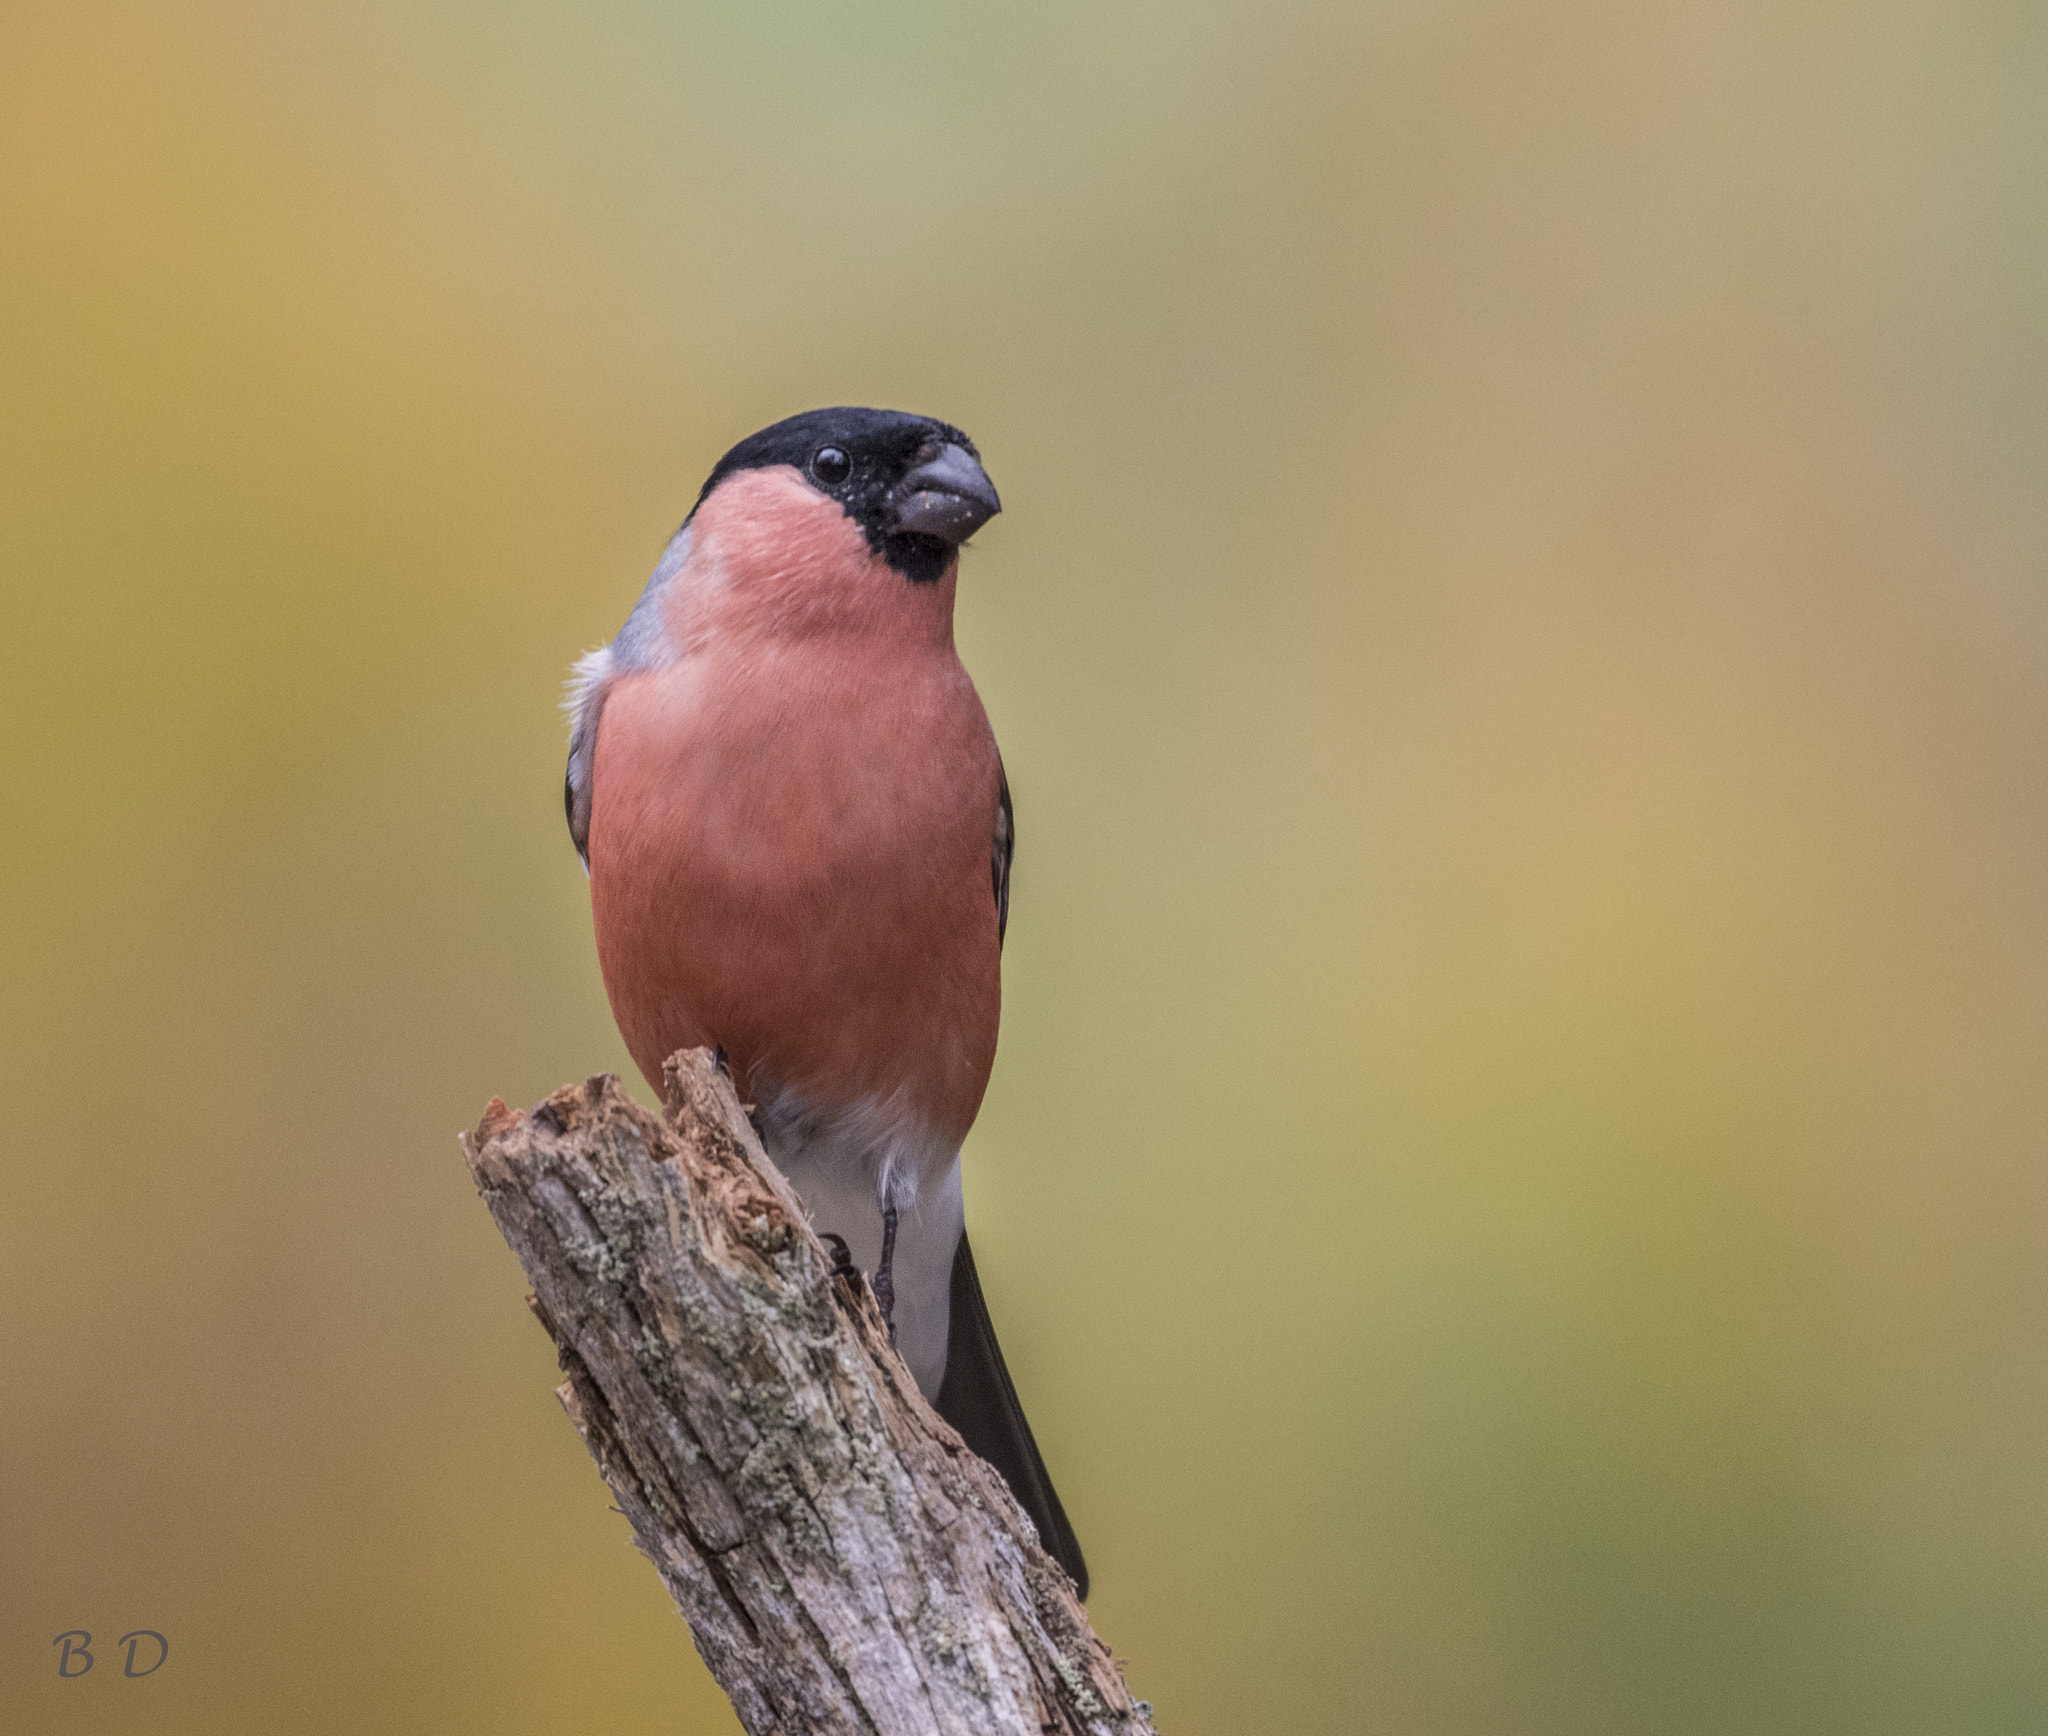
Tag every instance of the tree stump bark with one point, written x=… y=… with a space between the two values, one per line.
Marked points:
x=844 y=1562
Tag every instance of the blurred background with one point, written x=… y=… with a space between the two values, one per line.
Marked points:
x=1514 y=1181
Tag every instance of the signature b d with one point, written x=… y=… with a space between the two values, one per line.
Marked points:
x=144 y=1645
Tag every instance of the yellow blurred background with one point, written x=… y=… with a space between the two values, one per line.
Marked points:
x=1514 y=1183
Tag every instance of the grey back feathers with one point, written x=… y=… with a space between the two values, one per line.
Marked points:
x=642 y=643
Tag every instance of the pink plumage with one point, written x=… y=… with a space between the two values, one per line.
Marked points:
x=789 y=838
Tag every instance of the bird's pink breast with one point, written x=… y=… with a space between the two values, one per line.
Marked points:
x=791 y=825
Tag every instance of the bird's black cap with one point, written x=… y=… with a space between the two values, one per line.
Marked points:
x=913 y=484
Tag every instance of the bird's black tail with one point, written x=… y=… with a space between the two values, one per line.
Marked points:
x=976 y=1397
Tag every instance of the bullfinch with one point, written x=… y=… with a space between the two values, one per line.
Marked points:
x=799 y=835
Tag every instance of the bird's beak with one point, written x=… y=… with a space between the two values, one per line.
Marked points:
x=950 y=497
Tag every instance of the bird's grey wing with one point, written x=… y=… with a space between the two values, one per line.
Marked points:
x=1002 y=850
x=977 y=1396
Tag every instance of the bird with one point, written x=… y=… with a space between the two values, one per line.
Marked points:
x=798 y=833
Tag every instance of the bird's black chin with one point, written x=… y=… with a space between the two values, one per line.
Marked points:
x=922 y=560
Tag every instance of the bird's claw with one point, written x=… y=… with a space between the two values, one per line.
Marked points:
x=882 y=1283
x=842 y=1256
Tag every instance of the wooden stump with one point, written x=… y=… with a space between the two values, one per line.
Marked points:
x=844 y=1562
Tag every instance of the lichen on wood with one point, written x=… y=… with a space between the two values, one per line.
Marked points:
x=845 y=1563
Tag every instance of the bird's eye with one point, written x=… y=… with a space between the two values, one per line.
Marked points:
x=831 y=466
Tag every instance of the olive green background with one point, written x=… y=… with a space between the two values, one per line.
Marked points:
x=1514 y=1182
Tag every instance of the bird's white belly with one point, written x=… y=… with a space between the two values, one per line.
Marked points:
x=841 y=1171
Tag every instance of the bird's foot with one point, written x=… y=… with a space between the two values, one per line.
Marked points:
x=842 y=1256
x=885 y=1273
x=883 y=1283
